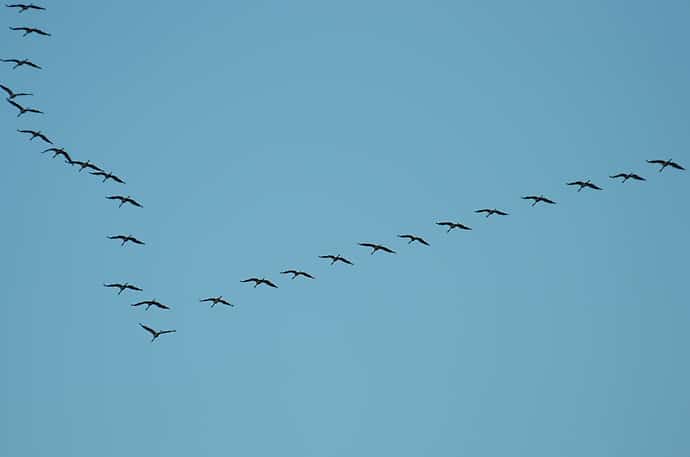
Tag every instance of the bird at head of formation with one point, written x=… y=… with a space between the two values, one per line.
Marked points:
x=20 y=63
x=30 y=30
x=296 y=273
x=540 y=198
x=627 y=176
x=11 y=95
x=36 y=134
x=412 y=238
x=83 y=165
x=124 y=200
x=666 y=163
x=583 y=184
x=126 y=239
x=107 y=176
x=336 y=258
x=123 y=287
x=23 y=110
x=489 y=212
x=23 y=7
x=150 y=303
x=215 y=300
x=377 y=247
x=259 y=281
x=58 y=152
x=155 y=333
x=453 y=225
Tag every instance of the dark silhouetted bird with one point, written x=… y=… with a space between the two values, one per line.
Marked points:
x=377 y=247
x=582 y=184
x=23 y=7
x=36 y=134
x=296 y=273
x=83 y=165
x=259 y=281
x=215 y=300
x=124 y=200
x=336 y=258
x=540 y=198
x=666 y=163
x=413 y=238
x=23 y=110
x=30 y=30
x=453 y=225
x=58 y=152
x=489 y=212
x=150 y=303
x=123 y=287
x=11 y=95
x=20 y=63
x=107 y=176
x=126 y=239
x=627 y=176
x=155 y=333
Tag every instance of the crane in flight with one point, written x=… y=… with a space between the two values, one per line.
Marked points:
x=83 y=165
x=336 y=258
x=30 y=30
x=123 y=286
x=58 y=152
x=21 y=62
x=666 y=163
x=490 y=212
x=453 y=225
x=583 y=184
x=296 y=273
x=538 y=198
x=215 y=300
x=36 y=134
x=155 y=333
x=24 y=7
x=23 y=110
x=107 y=176
x=124 y=200
x=377 y=247
x=259 y=281
x=627 y=176
x=412 y=238
x=11 y=95
x=126 y=239
x=150 y=303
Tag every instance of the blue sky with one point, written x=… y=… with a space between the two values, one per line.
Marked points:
x=260 y=135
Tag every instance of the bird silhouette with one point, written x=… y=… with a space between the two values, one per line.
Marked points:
x=259 y=281
x=124 y=200
x=126 y=239
x=107 y=176
x=20 y=63
x=453 y=225
x=30 y=30
x=582 y=184
x=150 y=303
x=539 y=198
x=155 y=333
x=58 y=152
x=11 y=95
x=296 y=273
x=666 y=163
x=489 y=212
x=413 y=238
x=377 y=247
x=215 y=300
x=23 y=7
x=123 y=287
x=83 y=165
x=36 y=134
x=336 y=258
x=627 y=176
x=23 y=110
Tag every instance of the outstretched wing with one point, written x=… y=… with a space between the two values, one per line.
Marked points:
x=660 y=162
x=448 y=224
x=97 y=173
x=166 y=331
x=637 y=177
x=368 y=245
x=135 y=241
x=483 y=211
x=6 y=89
x=116 y=179
x=343 y=259
x=593 y=186
x=500 y=213
x=131 y=287
x=251 y=280
x=148 y=329
x=304 y=273
x=16 y=105
x=676 y=166
x=530 y=197
x=116 y=237
x=269 y=283
x=134 y=202
x=546 y=200
x=31 y=64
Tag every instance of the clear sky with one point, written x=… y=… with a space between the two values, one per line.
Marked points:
x=259 y=135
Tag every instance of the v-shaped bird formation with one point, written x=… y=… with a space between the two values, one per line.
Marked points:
x=13 y=95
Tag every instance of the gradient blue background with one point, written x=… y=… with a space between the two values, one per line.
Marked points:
x=261 y=134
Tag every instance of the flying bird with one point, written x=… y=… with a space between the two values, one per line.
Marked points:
x=536 y=199
x=124 y=200
x=412 y=238
x=30 y=30
x=123 y=287
x=107 y=176
x=23 y=110
x=126 y=239
x=11 y=95
x=582 y=184
x=453 y=225
x=336 y=258
x=150 y=303
x=666 y=163
x=489 y=212
x=259 y=281
x=36 y=134
x=377 y=247
x=20 y=63
x=58 y=152
x=23 y=7
x=215 y=300
x=83 y=165
x=296 y=273
x=155 y=333
x=627 y=176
